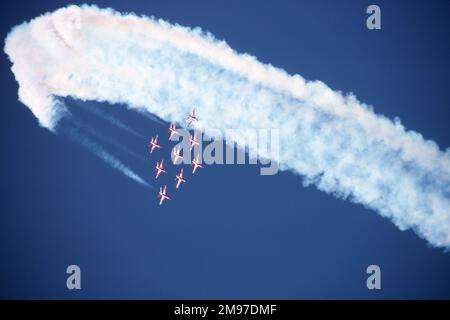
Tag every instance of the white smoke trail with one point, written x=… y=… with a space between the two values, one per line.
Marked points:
x=331 y=139
x=111 y=119
x=75 y=134
x=151 y=116
x=100 y=136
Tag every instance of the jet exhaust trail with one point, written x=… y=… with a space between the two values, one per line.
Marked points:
x=75 y=134
x=332 y=140
x=75 y=121
x=111 y=119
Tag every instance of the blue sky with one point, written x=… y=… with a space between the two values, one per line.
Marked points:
x=61 y=205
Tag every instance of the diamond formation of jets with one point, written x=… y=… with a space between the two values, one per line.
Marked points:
x=176 y=156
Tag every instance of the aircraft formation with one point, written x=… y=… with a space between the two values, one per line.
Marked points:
x=160 y=169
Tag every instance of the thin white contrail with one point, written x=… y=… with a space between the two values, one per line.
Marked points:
x=109 y=118
x=150 y=116
x=83 y=127
x=75 y=134
x=332 y=140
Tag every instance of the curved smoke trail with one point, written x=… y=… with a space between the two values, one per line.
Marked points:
x=332 y=140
